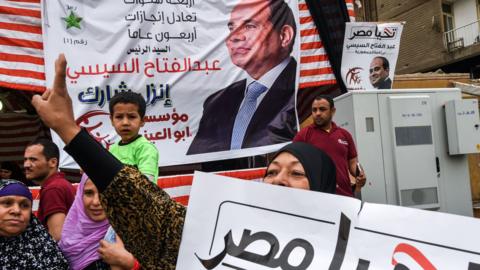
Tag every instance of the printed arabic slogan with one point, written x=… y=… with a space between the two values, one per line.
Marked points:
x=252 y=225
x=370 y=52
x=219 y=77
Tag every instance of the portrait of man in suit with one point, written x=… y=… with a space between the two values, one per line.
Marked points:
x=260 y=109
x=379 y=72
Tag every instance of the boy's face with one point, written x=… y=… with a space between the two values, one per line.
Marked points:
x=126 y=120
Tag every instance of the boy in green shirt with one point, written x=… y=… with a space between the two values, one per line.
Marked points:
x=127 y=110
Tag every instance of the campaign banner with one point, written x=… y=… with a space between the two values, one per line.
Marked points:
x=394 y=237
x=194 y=62
x=370 y=52
x=253 y=225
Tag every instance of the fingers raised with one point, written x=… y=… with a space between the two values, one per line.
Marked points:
x=59 y=85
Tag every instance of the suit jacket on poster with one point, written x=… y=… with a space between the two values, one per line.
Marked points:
x=273 y=122
x=386 y=84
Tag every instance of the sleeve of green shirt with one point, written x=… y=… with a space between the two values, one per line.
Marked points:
x=147 y=160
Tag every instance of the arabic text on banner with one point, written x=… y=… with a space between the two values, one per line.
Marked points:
x=252 y=225
x=370 y=52
x=173 y=52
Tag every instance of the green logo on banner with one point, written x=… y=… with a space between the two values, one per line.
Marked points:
x=72 y=20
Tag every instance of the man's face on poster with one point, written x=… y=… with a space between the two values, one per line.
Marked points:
x=378 y=73
x=252 y=42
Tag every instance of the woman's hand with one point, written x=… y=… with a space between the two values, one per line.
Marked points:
x=116 y=255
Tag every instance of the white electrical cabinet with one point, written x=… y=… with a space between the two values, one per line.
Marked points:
x=402 y=143
x=463 y=126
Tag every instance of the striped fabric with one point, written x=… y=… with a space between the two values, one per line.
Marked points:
x=351 y=9
x=315 y=68
x=16 y=131
x=178 y=186
x=21 y=47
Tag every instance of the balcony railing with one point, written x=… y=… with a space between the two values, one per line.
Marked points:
x=464 y=36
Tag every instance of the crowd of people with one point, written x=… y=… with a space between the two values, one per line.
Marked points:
x=119 y=218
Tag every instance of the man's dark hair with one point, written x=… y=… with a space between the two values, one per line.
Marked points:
x=327 y=98
x=50 y=149
x=386 y=64
x=281 y=14
x=129 y=98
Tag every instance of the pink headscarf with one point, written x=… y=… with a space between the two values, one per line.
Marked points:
x=81 y=235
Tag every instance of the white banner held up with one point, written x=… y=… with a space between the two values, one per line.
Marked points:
x=251 y=225
x=191 y=61
x=394 y=237
x=370 y=52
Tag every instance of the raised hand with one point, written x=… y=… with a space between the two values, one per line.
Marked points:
x=55 y=106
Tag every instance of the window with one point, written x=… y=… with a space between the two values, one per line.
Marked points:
x=448 y=23
x=447 y=11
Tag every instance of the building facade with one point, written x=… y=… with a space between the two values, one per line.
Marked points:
x=438 y=33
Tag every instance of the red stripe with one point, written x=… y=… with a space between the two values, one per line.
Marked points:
x=30 y=133
x=314 y=84
x=21 y=27
x=349 y=1
x=21 y=43
x=313 y=58
x=306 y=19
x=24 y=87
x=22 y=58
x=186 y=180
x=20 y=12
x=302 y=7
x=308 y=32
x=246 y=175
x=23 y=73
x=182 y=200
x=26 y=1
x=351 y=13
x=311 y=45
x=317 y=71
x=175 y=181
x=413 y=253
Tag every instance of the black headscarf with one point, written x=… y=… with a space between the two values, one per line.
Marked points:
x=319 y=167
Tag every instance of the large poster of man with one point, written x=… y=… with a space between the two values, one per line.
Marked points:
x=219 y=77
x=370 y=53
x=259 y=109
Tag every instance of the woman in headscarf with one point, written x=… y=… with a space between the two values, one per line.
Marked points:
x=85 y=226
x=301 y=165
x=24 y=242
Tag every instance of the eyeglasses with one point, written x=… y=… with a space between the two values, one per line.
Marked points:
x=6 y=182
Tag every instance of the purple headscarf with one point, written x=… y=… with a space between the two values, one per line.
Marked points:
x=9 y=187
x=81 y=235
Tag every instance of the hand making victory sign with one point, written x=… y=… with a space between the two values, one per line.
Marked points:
x=54 y=106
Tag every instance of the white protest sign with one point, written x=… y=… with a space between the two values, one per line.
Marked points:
x=370 y=52
x=252 y=225
x=394 y=237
